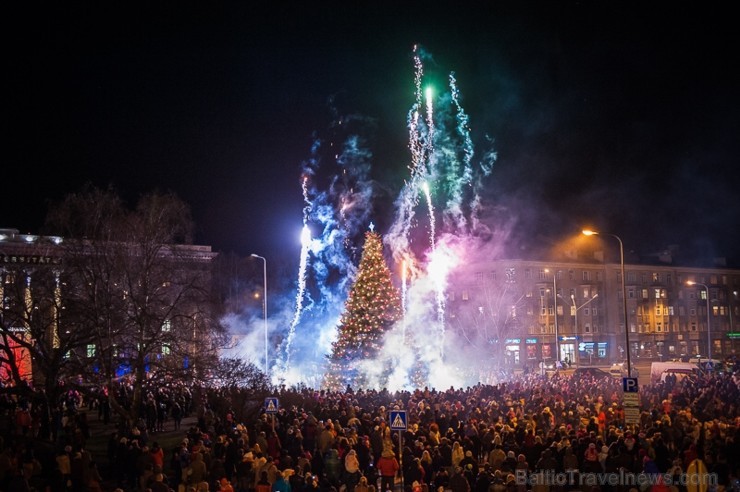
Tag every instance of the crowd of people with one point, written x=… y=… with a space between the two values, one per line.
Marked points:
x=531 y=433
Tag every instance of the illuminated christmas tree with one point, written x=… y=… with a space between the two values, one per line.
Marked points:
x=373 y=306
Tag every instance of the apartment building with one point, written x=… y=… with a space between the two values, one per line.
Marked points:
x=534 y=311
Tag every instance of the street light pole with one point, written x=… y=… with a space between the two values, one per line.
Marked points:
x=575 y=320
x=555 y=308
x=624 y=293
x=264 y=301
x=709 y=333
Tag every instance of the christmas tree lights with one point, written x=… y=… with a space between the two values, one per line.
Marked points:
x=371 y=309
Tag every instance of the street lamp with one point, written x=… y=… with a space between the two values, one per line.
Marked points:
x=555 y=307
x=264 y=300
x=575 y=319
x=709 y=333
x=624 y=292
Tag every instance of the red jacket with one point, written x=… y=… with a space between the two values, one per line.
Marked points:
x=388 y=466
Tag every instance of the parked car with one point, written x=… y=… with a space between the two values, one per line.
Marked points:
x=619 y=370
x=594 y=372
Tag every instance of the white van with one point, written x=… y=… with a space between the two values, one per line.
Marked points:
x=658 y=368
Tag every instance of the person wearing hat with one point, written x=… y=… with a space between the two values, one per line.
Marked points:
x=388 y=468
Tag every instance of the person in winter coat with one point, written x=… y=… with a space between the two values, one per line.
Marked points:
x=351 y=469
x=363 y=486
x=332 y=466
x=282 y=484
x=458 y=482
x=388 y=468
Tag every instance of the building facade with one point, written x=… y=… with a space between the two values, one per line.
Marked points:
x=534 y=311
x=36 y=286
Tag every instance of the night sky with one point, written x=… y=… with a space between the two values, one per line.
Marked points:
x=601 y=113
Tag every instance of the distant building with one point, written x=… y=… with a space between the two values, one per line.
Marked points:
x=34 y=266
x=535 y=311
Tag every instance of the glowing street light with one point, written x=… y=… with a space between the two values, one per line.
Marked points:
x=264 y=300
x=709 y=333
x=588 y=232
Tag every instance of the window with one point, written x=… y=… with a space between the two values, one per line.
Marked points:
x=527 y=273
x=594 y=312
x=631 y=277
x=493 y=275
x=542 y=274
x=598 y=275
x=587 y=328
x=542 y=292
x=465 y=295
x=670 y=310
x=586 y=312
x=479 y=277
x=586 y=276
x=656 y=277
x=645 y=294
x=692 y=312
x=90 y=350
x=510 y=275
x=644 y=278
x=166 y=350
x=586 y=293
x=658 y=310
x=630 y=293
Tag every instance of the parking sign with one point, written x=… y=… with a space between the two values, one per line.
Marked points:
x=629 y=385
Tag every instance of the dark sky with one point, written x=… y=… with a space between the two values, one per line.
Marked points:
x=609 y=113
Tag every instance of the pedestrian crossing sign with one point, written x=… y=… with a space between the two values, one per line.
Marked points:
x=398 y=420
x=271 y=405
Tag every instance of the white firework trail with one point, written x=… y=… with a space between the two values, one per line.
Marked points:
x=300 y=295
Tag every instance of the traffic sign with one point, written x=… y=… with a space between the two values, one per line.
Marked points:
x=631 y=415
x=398 y=420
x=629 y=385
x=632 y=399
x=271 y=405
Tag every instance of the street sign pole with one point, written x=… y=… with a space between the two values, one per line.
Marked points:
x=399 y=423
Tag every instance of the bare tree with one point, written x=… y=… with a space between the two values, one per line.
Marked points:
x=138 y=291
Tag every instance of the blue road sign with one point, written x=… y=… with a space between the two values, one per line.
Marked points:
x=271 y=405
x=398 y=420
x=629 y=385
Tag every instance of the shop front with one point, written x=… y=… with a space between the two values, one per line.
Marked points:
x=593 y=352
